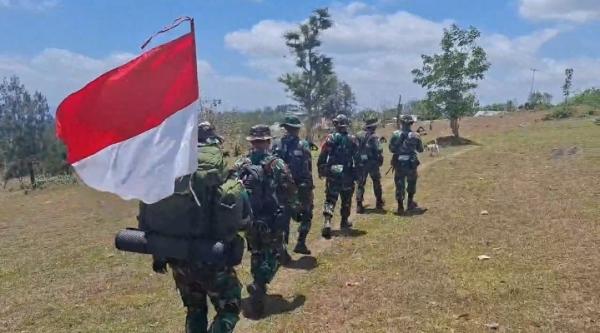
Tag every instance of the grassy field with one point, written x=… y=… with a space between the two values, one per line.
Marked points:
x=538 y=181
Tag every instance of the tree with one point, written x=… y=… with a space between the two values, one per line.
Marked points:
x=342 y=100
x=451 y=76
x=315 y=81
x=568 y=83
x=539 y=99
x=424 y=109
x=24 y=121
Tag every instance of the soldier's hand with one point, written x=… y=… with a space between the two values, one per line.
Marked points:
x=159 y=266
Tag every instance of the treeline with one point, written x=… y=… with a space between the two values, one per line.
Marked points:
x=28 y=143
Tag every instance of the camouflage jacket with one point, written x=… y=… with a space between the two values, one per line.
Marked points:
x=338 y=149
x=370 y=150
x=405 y=142
x=279 y=187
x=296 y=154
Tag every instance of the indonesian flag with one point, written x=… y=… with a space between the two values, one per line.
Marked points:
x=133 y=130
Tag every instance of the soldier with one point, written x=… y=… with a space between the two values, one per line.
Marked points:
x=371 y=158
x=296 y=153
x=271 y=189
x=198 y=280
x=337 y=162
x=404 y=145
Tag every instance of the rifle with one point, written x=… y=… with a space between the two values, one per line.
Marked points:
x=390 y=169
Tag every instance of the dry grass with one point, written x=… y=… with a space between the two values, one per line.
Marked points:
x=60 y=273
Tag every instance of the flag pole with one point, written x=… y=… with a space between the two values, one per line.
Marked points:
x=173 y=25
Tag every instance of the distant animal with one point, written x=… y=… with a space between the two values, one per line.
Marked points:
x=433 y=148
x=382 y=139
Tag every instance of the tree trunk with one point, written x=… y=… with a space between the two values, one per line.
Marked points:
x=31 y=173
x=454 y=126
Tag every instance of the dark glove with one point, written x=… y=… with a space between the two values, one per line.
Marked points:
x=159 y=266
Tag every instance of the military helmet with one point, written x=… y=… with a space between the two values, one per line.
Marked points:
x=206 y=131
x=407 y=119
x=291 y=121
x=259 y=133
x=371 y=122
x=341 y=121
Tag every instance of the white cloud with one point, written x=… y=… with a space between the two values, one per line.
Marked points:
x=375 y=53
x=578 y=11
x=33 y=5
x=58 y=72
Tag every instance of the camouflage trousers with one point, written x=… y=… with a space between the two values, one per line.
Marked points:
x=406 y=180
x=364 y=174
x=334 y=188
x=265 y=247
x=195 y=283
x=306 y=198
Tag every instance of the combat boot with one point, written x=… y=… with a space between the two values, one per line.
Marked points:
x=413 y=208
x=345 y=223
x=326 y=231
x=380 y=203
x=257 y=292
x=400 y=210
x=301 y=245
x=360 y=209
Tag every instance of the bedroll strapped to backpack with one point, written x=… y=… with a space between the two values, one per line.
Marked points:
x=198 y=222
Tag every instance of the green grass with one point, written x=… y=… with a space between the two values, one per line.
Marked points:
x=59 y=271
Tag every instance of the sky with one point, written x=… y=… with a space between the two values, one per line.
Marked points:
x=57 y=46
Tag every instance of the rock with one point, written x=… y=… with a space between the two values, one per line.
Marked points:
x=484 y=257
x=484 y=212
x=492 y=326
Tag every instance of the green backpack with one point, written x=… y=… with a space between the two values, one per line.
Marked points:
x=206 y=208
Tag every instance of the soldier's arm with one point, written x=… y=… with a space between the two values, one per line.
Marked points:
x=323 y=155
x=420 y=147
x=308 y=155
x=393 y=142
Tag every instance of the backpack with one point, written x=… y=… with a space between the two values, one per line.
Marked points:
x=205 y=210
x=342 y=150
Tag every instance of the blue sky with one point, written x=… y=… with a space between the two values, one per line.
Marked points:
x=56 y=46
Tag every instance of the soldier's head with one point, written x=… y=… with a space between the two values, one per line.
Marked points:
x=292 y=125
x=207 y=135
x=260 y=137
x=407 y=121
x=341 y=123
x=371 y=124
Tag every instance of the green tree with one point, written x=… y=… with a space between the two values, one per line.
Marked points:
x=425 y=109
x=538 y=99
x=342 y=100
x=568 y=83
x=315 y=81
x=24 y=123
x=451 y=76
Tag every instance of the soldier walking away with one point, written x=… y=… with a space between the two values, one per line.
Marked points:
x=296 y=154
x=271 y=189
x=370 y=155
x=197 y=237
x=404 y=145
x=337 y=162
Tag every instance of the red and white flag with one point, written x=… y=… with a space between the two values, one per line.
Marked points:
x=133 y=130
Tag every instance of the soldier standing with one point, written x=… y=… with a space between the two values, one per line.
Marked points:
x=404 y=145
x=271 y=189
x=371 y=159
x=337 y=162
x=296 y=153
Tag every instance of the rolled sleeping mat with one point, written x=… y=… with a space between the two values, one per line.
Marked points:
x=209 y=251
x=132 y=240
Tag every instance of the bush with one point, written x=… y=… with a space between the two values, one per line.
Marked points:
x=559 y=113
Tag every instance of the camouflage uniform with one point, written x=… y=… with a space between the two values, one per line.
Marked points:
x=296 y=154
x=196 y=281
x=371 y=158
x=337 y=162
x=269 y=195
x=404 y=145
